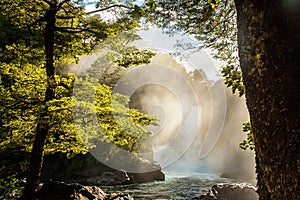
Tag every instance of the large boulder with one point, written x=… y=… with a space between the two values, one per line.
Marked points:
x=52 y=190
x=230 y=192
x=107 y=178
x=156 y=175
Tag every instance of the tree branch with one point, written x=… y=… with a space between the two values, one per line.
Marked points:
x=109 y=7
x=65 y=17
x=69 y=30
x=61 y=4
x=64 y=85
x=75 y=30
x=222 y=21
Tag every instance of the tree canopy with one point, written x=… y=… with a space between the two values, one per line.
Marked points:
x=36 y=38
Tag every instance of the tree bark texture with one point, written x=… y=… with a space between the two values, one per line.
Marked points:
x=43 y=123
x=268 y=42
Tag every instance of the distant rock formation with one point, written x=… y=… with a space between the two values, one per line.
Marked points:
x=230 y=192
x=61 y=191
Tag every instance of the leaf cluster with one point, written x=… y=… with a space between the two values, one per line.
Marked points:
x=249 y=141
x=118 y=54
x=105 y=116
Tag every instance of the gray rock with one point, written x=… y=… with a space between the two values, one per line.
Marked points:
x=109 y=178
x=61 y=191
x=87 y=170
x=230 y=192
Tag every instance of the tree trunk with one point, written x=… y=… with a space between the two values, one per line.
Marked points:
x=268 y=40
x=43 y=123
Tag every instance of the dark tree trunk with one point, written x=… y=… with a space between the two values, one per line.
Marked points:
x=36 y=160
x=268 y=39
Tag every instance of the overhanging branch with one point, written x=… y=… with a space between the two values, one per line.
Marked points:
x=75 y=30
x=109 y=7
x=65 y=17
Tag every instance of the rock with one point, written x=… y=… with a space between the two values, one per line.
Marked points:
x=145 y=177
x=109 y=178
x=146 y=171
x=230 y=192
x=87 y=170
x=53 y=190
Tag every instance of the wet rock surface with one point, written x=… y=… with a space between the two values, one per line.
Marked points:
x=86 y=170
x=53 y=190
x=230 y=192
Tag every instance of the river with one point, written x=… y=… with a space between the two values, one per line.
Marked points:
x=176 y=186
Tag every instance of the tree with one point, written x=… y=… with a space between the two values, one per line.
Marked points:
x=271 y=77
x=268 y=44
x=119 y=55
x=43 y=34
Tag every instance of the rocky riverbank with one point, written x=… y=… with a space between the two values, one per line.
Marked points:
x=52 y=190
x=230 y=191
x=87 y=170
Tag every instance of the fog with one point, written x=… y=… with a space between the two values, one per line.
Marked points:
x=200 y=120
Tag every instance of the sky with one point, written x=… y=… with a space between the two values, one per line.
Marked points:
x=155 y=39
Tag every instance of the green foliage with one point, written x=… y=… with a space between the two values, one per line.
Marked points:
x=12 y=173
x=119 y=125
x=134 y=57
x=233 y=79
x=35 y=38
x=118 y=54
x=249 y=141
x=22 y=96
x=213 y=3
x=11 y=188
x=25 y=79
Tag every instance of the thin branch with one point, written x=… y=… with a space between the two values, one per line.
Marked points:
x=20 y=103
x=223 y=21
x=64 y=85
x=65 y=17
x=61 y=4
x=60 y=109
x=75 y=30
x=69 y=30
x=109 y=7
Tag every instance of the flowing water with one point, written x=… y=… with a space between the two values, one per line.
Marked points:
x=176 y=186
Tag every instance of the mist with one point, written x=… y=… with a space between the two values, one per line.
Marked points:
x=200 y=120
